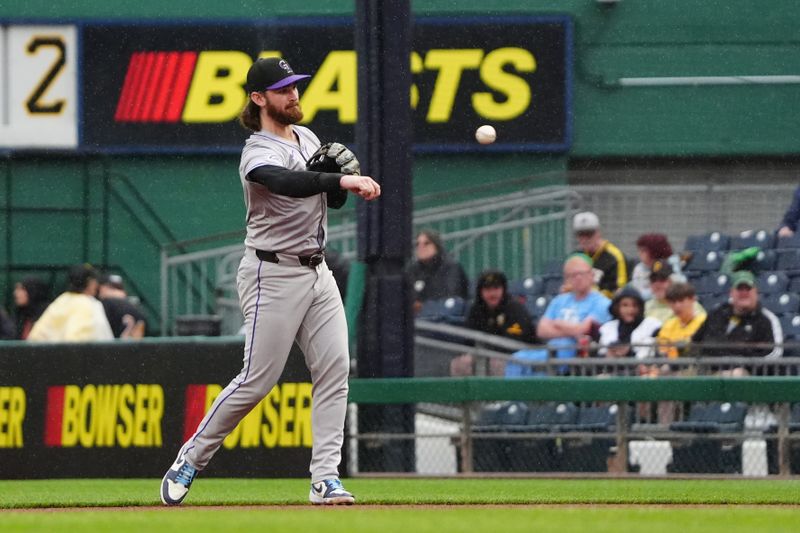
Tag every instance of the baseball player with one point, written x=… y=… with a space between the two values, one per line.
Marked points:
x=286 y=291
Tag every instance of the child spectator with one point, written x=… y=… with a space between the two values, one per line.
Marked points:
x=630 y=333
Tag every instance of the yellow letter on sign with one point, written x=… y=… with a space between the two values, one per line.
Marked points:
x=334 y=86
x=216 y=93
x=515 y=89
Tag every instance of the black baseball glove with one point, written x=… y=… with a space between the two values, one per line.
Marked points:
x=334 y=157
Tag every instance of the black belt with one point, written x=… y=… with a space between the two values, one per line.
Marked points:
x=306 y=260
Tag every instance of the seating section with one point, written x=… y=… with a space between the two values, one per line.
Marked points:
x=777 y=269
x=701 y=455
x=550 y=452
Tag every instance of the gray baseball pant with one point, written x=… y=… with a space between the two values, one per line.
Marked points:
x=283 y=302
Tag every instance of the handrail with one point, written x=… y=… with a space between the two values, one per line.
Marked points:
x=573 y=389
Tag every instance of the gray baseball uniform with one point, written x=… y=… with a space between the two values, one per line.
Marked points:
x=291 y=299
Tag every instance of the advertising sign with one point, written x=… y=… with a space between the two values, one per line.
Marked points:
x=38 y=87
x=124 y=409
x=171 y=87
x=180 y=87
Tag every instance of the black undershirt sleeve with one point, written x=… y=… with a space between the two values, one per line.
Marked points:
x=295 y=183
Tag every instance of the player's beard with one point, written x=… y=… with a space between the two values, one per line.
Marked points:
x=286 y=116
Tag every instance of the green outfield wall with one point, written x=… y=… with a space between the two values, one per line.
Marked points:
x=118 y=210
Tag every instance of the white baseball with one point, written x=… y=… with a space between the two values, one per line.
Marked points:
x=485 y=134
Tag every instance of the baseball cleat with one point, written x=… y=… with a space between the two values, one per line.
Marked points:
x=177 y=481
x=330 y=492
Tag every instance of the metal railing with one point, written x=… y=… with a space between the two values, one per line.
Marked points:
x=519 y=232
x=437 y=341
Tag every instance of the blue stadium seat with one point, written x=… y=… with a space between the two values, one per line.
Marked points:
x=783 y=243
x=794 y=284
x=706 y=456
x=451 y=310
x=772 y=282
x=705 y=261
x=764 y=261
x=526 y=288
x=551 y=417
x=712 y=283
x=537 y=306
x=709 y=301
x=762 y=238
x=788 y=260
x=594 y=419
x=552 y=285
x=790 y=324
x=785 y=303
x=714 y=241
x=713 y=417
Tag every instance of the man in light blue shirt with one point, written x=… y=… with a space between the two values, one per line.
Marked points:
x=572 y=315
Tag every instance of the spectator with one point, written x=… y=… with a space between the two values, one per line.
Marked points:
x=653 y=247
x=31 y=298
x=434 y=275
x=76 y=315
x=610 y=266
x=7 y=331
x=678 y=330
x=496 y=313
x=630 y=333
x=658 y=306
x=126 y=319
x=790 y=219
x=574 y=316
x=742 y=320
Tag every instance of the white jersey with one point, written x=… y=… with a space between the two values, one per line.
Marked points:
x=277 y=223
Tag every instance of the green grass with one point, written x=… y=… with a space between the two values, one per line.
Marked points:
x=734 y=506
x=215 y=491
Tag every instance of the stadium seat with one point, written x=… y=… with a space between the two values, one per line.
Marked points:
x=762 y=238
x=706 y=456
x=582 y=455
x=499 y=454
x=784 y=303
x=788 y=260
x=552 y=285
x=772 y=282
x=794 y=284
x=764 y=261
x=714 y=417
x=714 y=241
x=527 y=288
x=790 y=324
x=537 y=306
x=783 y=243
x=551 y=417
x=712 y=283
x=709 y=301
x=705 y=261
x=594 y=419
x=451 y=310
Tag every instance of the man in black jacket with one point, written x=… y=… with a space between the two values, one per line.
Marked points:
x=741 y=320
x=497 y=313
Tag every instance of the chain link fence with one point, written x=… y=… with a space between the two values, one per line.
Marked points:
x=603 y=437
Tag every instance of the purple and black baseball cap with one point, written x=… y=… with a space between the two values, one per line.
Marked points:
x=271 y=73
